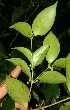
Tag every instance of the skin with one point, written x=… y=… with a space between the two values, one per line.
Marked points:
x=3 y=91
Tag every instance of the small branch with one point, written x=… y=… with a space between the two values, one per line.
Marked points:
x=31 y=74
x=32 y=13
x=30 y=90
x=14 y=39
x=39 y=108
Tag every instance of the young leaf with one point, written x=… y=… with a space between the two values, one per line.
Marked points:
x=17 y=90
x=66 y=106
x=60 y=63
x=25 y=51
x=68 y=71
x=44 y=20
x=18 y=61
x=51 y=77
x=54 y=50
x=23 y=27
x=39 y=55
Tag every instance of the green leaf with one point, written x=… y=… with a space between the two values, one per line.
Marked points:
x=66 y=106
x=44 y=20
x=39 y=55
x=24 y=28
x=8 y=104
x=18 y=61
x=25 y=51
x=54 y=90
x=54 y=50
x=16 y=54
x=36 y=96
x=1 y=4
x=68 y=71
x=2 y=77
x=17 y=14
x=17 y=90
x=2 y=52
x=60 y=63
x=50 y=91
x=51 y=77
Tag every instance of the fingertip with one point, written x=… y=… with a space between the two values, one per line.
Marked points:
x=16 y=72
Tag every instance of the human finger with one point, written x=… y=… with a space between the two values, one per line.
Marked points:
x=20 y=107
x=14 y=74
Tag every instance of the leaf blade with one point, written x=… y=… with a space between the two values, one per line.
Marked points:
x=24 y=28
x=68 y=71
x=8 y=104
x=17 y=14
x=25 y=51
x=54 y=50
x=44 y=20
x=18 y=61
x=21 y=96
x=39 y=55
x=66 y=106
x=51 y=77
x=60 y=63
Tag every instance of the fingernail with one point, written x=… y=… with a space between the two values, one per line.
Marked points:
x=18 y=66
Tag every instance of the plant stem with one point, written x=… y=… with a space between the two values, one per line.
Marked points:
x=31 y=44
x=50 y=105
x=31 y=73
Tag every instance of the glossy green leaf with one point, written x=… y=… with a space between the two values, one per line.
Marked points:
x=60 y=63
x=54 y=90
x=68 y=71
x=25 y=51
x=66 y=106
x=51 y=77
x=44 y=20
x=54 y=50
x=18 y=61
x=17 y=14
x=50 y=91
x=17 y=90
x=39 y=55
x=8 y=104
x=23 y=27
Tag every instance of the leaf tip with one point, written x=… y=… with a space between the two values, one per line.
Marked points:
x=11 y=26
x=56 y=3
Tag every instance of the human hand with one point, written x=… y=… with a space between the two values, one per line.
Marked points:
x=3 y=91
